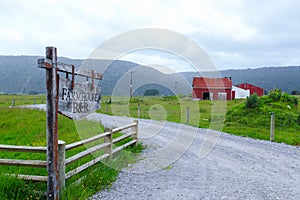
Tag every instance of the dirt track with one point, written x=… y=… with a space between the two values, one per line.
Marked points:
x=183 y=162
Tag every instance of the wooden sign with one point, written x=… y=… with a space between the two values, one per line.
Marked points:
x=77 y=101
x=71 y=99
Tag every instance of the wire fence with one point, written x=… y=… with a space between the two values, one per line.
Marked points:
x=285 y=127
x=12 y=101
x=256 y=125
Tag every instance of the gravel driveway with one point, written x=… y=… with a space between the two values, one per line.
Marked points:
x=182 y=162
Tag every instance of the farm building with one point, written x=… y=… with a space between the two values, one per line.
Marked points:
x=240 y=93
x=212 y=88
x=253 y=89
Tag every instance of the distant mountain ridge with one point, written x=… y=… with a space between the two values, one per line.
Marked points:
x=20 y=74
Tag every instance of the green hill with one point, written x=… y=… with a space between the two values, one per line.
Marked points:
x=252 y=118
x=20 y=74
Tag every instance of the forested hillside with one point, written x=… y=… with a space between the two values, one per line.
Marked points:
x=20 y=74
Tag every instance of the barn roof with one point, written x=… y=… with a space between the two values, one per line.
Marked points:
x=217 y=83
x=248 y=85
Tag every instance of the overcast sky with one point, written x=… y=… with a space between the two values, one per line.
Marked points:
x=234 y=33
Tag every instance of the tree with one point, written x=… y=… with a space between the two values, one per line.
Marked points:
x=151 y=92
x=252 y=101
x=275 y=95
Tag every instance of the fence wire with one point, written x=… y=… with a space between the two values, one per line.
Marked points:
x=287 y=127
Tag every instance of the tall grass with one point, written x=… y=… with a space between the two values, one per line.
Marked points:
x=26 y=127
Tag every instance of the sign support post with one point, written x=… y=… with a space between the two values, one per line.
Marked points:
x=52 y=124
x=74 y=102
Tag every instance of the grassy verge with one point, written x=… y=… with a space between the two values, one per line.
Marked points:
x=216 y=115
x=27 y=127
x=255 y=121
x=172 y=109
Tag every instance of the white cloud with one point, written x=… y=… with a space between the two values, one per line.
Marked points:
x=233 y=27
x=163 y=61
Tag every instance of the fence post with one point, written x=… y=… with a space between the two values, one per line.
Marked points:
x=187 y=115
x=61 y=165
x=135 y=129
x=34 y=101
x=272 y=127
x=13 y=103
x=108 y=139
x=139 y=111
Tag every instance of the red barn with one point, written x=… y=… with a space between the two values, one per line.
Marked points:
x=212 y=88
x=253 y=89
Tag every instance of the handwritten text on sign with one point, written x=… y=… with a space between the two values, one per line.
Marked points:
x=78 y=101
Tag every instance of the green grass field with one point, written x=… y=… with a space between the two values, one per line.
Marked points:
x=21 y=126
x=27 y=127
x=206 y=114
x=169 y=108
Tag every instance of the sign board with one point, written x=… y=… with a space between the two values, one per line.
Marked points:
x=79 y=101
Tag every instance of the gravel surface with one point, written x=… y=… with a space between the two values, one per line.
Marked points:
x=182 y=162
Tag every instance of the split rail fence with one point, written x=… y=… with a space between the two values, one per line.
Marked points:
x=108 y=147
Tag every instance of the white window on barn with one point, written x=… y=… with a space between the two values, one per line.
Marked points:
x=222 y=95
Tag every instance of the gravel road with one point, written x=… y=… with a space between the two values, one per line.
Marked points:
x=182 y=162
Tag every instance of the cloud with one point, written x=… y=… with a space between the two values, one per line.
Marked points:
x=235 y=33
x=165 y=62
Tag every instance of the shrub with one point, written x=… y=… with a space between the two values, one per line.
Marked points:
x=135 y=100
x=275 y=95
x=291 y=100
x=252 y=101
x=298 y=119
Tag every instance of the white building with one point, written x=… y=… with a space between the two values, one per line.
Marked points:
x=240 y=93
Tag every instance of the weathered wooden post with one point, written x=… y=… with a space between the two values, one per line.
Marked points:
x=52 y=124
x=108 y=139
x=13 y=103
x=135 y=130
x=272 y=127
x=61 y=164
x=70 y=107
x=187 y=115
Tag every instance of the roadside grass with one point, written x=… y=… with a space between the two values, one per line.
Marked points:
x=255 y=122
x=209 y=114
x=27 y=127
x=173 y=109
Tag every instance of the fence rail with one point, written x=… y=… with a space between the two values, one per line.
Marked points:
x=107 y=146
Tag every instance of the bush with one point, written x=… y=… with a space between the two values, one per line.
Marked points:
x=135 y=100
x=252 y=101
x=298 y=120
x=275 y=95
x=289 y=99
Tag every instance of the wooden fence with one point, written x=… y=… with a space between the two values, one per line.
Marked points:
x=107 y=146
